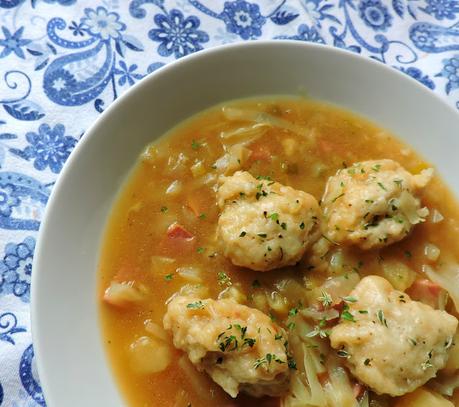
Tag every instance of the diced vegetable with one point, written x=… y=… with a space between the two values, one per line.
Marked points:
x=278 y=302
x=196 y=290
x=198 y=169
x=174 y=188
x=437 y=217
x=156 y=331
x=177 y=231
x=426 y=291
x=338 y=287
x=149 y=356
x=432 y=252
x=233 y=293
x=423 y=397
x=124 y=294
x=191 y=274
x=447 y=277
x=200 y=382
x=253 y=132
x=260 y=301
x=233 y=159
x=398 y=274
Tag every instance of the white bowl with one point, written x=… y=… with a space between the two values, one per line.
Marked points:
x=72 y=364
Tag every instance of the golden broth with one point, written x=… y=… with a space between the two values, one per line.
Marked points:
x=136 y=233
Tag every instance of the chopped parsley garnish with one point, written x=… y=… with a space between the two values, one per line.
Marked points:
x=343 y=354
x=366 y=362
x=412 y=341
x=284 y=225
x=278 y=337
x=302 y=225
x=291 y=326
x=318 y=331
x=408 y=254
x=256 y=284
x=219 y=361
x=291 y=362
x=223 y=278
x=266 y=360
x=265 y=177
x=381 y=317
x=425 y=365
x=274 y=216
x=195 y=145
x=325 y=299
x=376 y=167
x=337 y=197
x=168 y=277
x=293 y=312
x=243 y=233
x=349 y=299
x=164 y=209
x=363 y=311
x=202 y=216
x=347 y=316
x=398 y=182
x=195 y=305
x=262 y=235
x=382 y=186
x=200 y=250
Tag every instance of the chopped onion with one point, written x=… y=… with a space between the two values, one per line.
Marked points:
x=256 y=131
x=432 y=252
x=174 y=188
x=198 y=169
x=278 y=302
x=196 y=290
x=398 y=274
x=447 y=277
x=437 y=217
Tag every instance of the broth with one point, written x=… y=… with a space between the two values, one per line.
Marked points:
x=136 y=247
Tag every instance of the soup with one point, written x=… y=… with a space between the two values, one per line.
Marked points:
x=282 y=252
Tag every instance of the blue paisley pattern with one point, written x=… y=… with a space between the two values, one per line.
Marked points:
x=67 y=59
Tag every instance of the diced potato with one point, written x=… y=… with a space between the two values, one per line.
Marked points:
x=161 y=264
x=198 y=169
x=191 y=274
x=233 y=293
x=124 y=294
x=149 y=356
x=195 y=290
x=260 y=301
x=278 y=302
x=156 y=331
x=398 y=274
x=423 y=397
x=432 y=252
x=174 y=188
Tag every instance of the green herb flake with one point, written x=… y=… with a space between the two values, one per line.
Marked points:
x=195 y=305
x=256 y=284
x=200 y=250
x=168 y=277
x=274 y=216
x=243 y=233
x=382 y=186
x=347 y=316
x=366 y=362
x=202 y=216
x=408 y=254
x=337 y=197
x=293 y=312
x=223 y=278
x=164 y=209
x=343 y=354
x=325 y=299
x=381 y=317
x=302 y=225
x=262 y=235
x=195 y=145
x=291 y=326
x=412 y=341
x=349 y=299
x=376 y=167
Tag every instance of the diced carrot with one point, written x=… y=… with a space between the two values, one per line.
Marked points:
x=177 y=231
x=261 y=153
x=322 y=377
x=358 y=390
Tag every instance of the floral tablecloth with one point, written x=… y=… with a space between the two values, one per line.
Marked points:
x=62 y=62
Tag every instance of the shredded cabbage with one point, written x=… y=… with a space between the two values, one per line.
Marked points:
x=447 y=277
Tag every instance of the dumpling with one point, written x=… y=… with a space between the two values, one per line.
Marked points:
x=395 y=344
x=373 y=203
x=264 y=225
x=239 y=347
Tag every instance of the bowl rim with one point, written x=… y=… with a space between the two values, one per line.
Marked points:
x=54 y=198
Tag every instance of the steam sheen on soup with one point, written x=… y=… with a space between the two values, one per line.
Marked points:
x=282 y=252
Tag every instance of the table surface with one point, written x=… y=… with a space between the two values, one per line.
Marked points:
x=62 y=62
